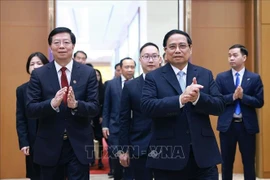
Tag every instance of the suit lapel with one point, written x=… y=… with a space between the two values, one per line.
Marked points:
x=230 y=81
x=75 y=75
x=170 y=76
x=246 y=79
x=53 y=76
x=191 y=73
x=119 y=85
x=140 y=82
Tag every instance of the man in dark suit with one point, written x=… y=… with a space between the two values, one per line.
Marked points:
x=180 y=97
x=117 y=73
x=111 y=109
x=63 y=95
x=243 y=93
x=80 y=57
x=135 y=127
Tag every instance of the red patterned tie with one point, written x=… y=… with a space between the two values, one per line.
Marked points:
x=64 y=82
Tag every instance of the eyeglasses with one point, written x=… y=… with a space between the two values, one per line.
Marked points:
x=153 y=56
x=173 y=47
x=58 y=43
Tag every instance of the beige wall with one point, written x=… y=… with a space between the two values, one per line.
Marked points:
x=24 y=29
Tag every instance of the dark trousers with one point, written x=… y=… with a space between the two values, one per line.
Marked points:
x=110 y=155
x=100 y=149
x=247 y=145
x=190 y=172
x=32 y=169
x=68 y=166
x=120 y=172
x=140 y=171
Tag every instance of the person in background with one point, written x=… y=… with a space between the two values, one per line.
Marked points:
x=97 y=120
x=117 y=73
x=135 y=128
x=117 y=70
x=243 y=93
x=180 y=97
x=80 y=57
x=111 y=110
x=63 y=96
x=26 y=127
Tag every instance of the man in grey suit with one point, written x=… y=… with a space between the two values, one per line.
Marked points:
x=111 y=109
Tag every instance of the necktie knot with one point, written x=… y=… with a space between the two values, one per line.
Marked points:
x=237 y=74
x=63 y=69
x=181 y=73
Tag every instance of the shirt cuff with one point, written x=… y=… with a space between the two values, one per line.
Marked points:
x=181 y=105
x=195 y=102
x=105 y=128
x=56 y=109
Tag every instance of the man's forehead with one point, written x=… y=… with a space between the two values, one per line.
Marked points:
x=234 y=50
x=61 y=36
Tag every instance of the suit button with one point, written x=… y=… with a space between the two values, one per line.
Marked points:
x=187 y=131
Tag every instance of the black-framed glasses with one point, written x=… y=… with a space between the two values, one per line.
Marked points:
x=147 y=57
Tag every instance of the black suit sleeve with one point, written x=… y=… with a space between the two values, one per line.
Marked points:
x=21 y=119
x=228 y=98
x=106 y=106
x=125 y=118
x=154 y=107
x=212 y=103
x=257 y=100
x=90 y=106
x=36 y=106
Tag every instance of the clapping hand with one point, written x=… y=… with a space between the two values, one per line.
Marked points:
x=191 y=92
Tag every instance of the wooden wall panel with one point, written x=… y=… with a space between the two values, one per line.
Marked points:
x=265 y=113
x=263 y=24
x=265 y=13
x=213 y=31
x=24 y=29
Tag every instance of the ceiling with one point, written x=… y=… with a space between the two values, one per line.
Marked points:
x=97 y=25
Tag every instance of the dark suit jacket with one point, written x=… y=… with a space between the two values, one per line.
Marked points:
x=26 y=128
x=96 y=125
x=42 y=88
x=135 y=127
x=174 y=129
x=111 y=109
x=252 y=98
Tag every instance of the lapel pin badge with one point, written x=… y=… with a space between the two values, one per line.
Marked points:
x=74 y=81
x=248 y=79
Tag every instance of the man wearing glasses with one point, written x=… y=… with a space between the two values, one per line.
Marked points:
x=135 y=127
x=179 y=97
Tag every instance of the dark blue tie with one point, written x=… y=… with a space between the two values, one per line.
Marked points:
x=237 y=107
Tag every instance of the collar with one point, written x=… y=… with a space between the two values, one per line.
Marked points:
x=144 y=76
x=176 y=70
x=68 y=66
x=123 y=78
x=241 y=72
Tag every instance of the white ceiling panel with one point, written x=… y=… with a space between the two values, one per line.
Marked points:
x=97 y=25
